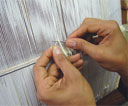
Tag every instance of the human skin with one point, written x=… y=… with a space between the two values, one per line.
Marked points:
x=72 y=89
x=111 y=52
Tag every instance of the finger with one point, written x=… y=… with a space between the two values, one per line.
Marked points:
x=79 y=63
x=87 y=21
x=86 y=28
x=104 y=32
x=53 y=70
x=63 y=63
x=39 y=73
x=91 y=20
x=50 y=81
x=74 y=58
x=83 y=45
x=45 y=58
x=39 y=67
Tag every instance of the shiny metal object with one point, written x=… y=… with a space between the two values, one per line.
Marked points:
x=66 y=50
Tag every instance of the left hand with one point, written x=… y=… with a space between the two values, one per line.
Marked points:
x=71 y=89
x=76 y=61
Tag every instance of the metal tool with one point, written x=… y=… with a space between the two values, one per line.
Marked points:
x=66 y=50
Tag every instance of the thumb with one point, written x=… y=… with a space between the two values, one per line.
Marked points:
x=82 y=45
x=63 y=63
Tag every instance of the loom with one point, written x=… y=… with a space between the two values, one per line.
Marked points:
x=28 y=27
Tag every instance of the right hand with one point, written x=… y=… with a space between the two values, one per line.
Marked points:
x=111 y=53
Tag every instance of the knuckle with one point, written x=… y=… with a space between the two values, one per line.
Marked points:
x=89 y=25
x=61 y=58
x=99 y=55
x=81 y=45
x=78 y=45
x=86 y=19
x=114 y=24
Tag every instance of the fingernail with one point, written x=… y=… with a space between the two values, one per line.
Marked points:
x=71 y=43
x=57 y=50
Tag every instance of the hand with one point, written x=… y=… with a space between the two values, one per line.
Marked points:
x=76 y=61
x=111 y=52
x=72 y=89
